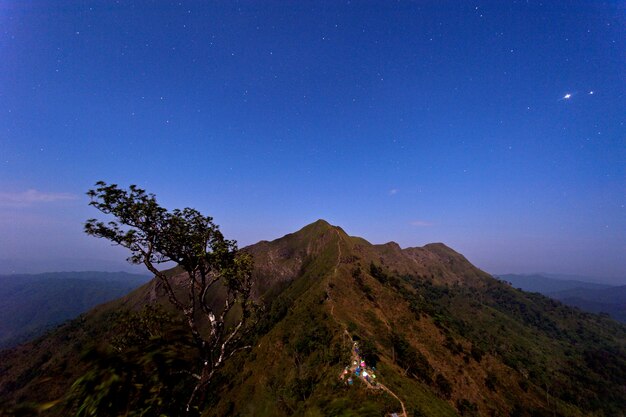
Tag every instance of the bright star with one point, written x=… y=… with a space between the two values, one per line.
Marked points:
x=591 y=93
x=567 y=96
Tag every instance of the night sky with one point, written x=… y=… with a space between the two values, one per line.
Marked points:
x=494 y=127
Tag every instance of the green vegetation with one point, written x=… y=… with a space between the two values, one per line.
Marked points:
x=410 y=359
x=142 y=373
x=210 y=263
x=445 y=338
x=566 y=363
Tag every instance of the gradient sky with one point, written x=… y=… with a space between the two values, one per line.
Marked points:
x=471 y=123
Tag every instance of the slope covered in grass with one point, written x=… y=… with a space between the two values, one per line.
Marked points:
x=446 y=338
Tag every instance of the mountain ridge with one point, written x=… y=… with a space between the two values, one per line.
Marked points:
x=446 y=337
x=591 y=297
x=545 y=285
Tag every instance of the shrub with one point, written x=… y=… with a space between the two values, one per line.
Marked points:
x=491 y=381
x=443 y=385
x=378 y=273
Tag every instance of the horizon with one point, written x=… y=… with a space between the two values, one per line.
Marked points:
x=495 y=128
x=25 y=266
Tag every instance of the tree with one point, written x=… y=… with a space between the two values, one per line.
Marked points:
x=154 y=236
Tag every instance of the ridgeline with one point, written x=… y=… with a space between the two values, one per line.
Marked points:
x=442 y=337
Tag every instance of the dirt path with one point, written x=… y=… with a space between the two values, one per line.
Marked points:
x=332 y=305
x=351 y=372
x=354 y=357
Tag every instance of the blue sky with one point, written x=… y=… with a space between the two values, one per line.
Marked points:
x=408 y=121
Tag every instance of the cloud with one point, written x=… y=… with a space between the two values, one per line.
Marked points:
x=420 y=223
x=30 y=197
x=393 y=191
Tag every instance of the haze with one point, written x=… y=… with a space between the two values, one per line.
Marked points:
x=494 y=127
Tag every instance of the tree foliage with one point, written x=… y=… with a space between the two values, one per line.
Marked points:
x=211 y=265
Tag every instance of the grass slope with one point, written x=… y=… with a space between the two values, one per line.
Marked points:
x=447 y=340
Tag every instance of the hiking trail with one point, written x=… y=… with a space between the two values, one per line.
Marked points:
x=354 y=356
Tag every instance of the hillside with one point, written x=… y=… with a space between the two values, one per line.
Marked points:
x=591 y=297
x=446 y=339
x=33 y=304
x=546 y=285
x=611 y=301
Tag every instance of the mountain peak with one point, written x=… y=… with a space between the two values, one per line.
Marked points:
x=446 y=337
x=317 y=228
x=439 y=246
x=321 y=222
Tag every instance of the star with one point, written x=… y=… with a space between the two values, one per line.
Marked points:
x=567 y=96
x=591 y=93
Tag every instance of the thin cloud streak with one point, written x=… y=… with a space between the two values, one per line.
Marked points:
x=30 y=197
x=420 y=223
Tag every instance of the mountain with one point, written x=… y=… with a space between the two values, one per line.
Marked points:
x=546 y=285
x=32 y=304
x=42 y=266
x=604 y=280
x=592 y=297
x=445 y=338
x=611 y=301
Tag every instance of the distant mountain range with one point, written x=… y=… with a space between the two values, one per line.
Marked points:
x=592 y=297
x=32 y=304
x=40 y=266
x=443 y=338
